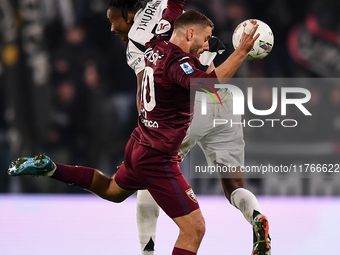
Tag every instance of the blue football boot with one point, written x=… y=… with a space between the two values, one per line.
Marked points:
x=38 y=165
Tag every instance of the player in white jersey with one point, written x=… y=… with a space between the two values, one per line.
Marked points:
x=224 y=146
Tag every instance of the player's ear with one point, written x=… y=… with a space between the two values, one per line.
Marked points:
x=190 y=34
x=130 y=17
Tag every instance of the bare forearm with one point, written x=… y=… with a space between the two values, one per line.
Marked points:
x=229 y=67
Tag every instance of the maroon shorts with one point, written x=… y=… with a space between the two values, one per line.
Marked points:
x=147 y=168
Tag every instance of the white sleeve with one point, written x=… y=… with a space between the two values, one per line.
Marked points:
x=135 y=58
x=207 y=57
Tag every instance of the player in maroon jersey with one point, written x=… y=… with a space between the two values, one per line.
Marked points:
x=151 y=160
x=220 y=146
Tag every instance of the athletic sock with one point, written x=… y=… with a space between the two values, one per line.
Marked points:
x=179 y=251
x=246 y=202
x=147 y=215
x=74 y=175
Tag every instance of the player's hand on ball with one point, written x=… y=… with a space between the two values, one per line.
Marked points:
x=248 y=37
x=263 y=45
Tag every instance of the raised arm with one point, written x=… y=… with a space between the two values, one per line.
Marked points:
x=229 y=67
x=175 y=7
x=184 y=67
x=166 y=24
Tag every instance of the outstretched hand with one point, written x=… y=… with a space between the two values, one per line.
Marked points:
x=248 y=39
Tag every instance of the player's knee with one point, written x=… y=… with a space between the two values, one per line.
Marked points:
x=197 y=232
x=196 y=229
x=117 y=200
x=200 y=230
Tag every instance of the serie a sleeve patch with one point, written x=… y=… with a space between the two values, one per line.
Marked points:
x=187 y=68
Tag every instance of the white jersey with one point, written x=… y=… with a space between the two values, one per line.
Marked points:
x=145 y=21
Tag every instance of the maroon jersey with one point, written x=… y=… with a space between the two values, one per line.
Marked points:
x=165 y=108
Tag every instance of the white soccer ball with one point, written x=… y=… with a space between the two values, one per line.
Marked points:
x=262 y=46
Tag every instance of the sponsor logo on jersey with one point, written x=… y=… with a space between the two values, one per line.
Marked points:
x=163 y=27
x=191 y=195
x=136 y=62
x=187 y=68
x=149 y=123
x=152 y=56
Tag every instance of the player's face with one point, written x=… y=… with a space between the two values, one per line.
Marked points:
x=118 y=24
x=201 y=41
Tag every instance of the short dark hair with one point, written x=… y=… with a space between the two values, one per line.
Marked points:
x=192 y=17
x=126 y=6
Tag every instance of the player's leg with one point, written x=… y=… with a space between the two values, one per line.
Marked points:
x=84 y=177
x=186 y=223
x=186 y=215
x=235 y=191
x=107 y=188
x=148 y=209
x=147 y=215
x=167 y=185
x=180 y=203
x=192 y=229
x=244 y=200
x=224 y=146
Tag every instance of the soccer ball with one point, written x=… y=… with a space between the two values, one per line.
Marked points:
x=262 y=46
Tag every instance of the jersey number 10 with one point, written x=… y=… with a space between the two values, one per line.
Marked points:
x=148 y=81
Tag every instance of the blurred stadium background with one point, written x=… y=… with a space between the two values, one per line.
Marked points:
x=66 y=90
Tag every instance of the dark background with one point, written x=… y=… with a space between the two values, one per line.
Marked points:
x=66 y=90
